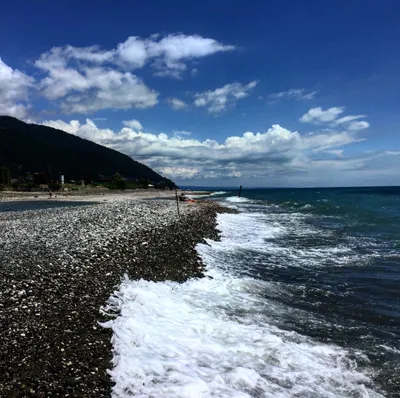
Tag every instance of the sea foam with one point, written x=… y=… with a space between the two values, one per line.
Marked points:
x=217 y=193
x=211 y=338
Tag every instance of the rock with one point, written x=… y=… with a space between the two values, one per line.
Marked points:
x=73 y=381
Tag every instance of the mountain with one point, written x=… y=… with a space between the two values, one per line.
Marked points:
x=34 y=148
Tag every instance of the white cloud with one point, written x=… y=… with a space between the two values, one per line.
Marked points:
x=278 y=154
x=355 y=126
x=14 y=89
x=88 y=131
x=179 y=172
x=133 y=52
x=91 y=54
x=126 y=92
x=219 y=99
x=181 y=133
x=72 y=127
x=336 y=152
x=295 y=93
x=276 y=151
x=176 y=103
x=92 y=88
x=318 y=115
x=173 y=50
x=133 y=124
x=88 y=79
x=330 y=116
x=322 y=141
x=167 y=54
x=347 y=119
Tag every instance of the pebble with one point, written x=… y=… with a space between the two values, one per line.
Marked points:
x=58 y=268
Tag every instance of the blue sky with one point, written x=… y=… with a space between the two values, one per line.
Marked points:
x=216 y=93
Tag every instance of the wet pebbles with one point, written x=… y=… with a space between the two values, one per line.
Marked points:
x=59 y=266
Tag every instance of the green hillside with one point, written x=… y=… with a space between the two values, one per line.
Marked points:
x=30 y=148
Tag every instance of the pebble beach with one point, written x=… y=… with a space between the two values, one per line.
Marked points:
x=59 y=266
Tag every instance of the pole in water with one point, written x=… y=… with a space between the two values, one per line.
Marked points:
x=240 y=191
x=177 y=202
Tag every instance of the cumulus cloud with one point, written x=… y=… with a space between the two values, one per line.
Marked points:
x=219 y=99
x=92 y=88
x=14 y=89
x=277 y=151
x=293 y=93
x=133 y=52
x=318 y=115
x=91 y=54
x=133 y=124
x=361 y=125
x=176 y=103
x=180 y=133
x=179 y=172
x=89 y=130
x=88 y=79
x=169 y=54
x=330 y=117
x=71 y=127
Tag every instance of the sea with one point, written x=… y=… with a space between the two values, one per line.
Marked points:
x=301 y=299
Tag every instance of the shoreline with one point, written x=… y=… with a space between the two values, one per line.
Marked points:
x=98 y=196
x=84 y=196
x=53 y=286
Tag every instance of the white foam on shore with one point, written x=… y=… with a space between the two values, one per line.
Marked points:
x=211 y=338
x=261 y=232
x=237 y=199
x=218 y=193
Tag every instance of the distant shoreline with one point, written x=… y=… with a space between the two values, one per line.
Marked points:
x=93 y=195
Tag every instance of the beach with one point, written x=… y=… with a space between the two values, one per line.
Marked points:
x=59 y=266
x=290 y=293
x=86 y=195
x=97 y=195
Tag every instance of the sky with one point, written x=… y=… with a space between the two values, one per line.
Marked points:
x=215 y=93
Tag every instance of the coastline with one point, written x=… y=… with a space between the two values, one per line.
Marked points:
x=95 y=195
x=59 y=267
x=91 y=195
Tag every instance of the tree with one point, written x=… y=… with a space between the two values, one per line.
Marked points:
x=118 y=181
x=4 y=176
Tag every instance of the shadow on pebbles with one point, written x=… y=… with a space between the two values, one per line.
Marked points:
x=59 y=266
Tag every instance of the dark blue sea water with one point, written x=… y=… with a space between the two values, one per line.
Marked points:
x=333 y=257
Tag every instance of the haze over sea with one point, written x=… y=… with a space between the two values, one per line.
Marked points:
x=303 y=302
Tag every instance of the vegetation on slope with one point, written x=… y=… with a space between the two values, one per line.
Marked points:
x=30 y=148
